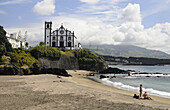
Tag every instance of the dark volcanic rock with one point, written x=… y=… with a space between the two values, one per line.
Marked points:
x=55 y=71
x=96 y=66
x=113 y=70
x=7 y=71
x=102 y=76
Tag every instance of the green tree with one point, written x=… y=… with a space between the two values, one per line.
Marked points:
x=86 y=56
x=41 y=43
x=4 y=40
x=45 y=51
x=2 y=50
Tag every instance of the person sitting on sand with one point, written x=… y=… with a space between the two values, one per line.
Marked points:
x=136 y=96
x=145 y=96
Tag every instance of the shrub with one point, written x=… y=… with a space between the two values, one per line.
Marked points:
x=2 y=50
x=41 y=43
x=22 y=57
x=86 y=56
x=45 y=51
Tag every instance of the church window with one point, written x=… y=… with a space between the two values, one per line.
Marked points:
x=69 y=38
x=61 y=38
x=61 y=32
x=53 y=38
x=48 y=26
x=53 y=44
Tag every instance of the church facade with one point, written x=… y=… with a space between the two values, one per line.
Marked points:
x=61 y=38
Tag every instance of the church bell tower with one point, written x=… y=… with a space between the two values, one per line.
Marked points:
x=47 y=36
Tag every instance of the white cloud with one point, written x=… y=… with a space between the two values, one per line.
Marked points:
x=106 y=10
x=90 y=1
x=19 y=17
x=35 y=32
x=168 y=1
x=13 y=2
x=45 y=7
x=132 y=32
x=2 y=12
x=95 y=31
x=131 y=13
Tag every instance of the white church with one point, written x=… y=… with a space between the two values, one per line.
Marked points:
x=61 y=38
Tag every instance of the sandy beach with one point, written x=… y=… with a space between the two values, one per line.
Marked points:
x=48 y=92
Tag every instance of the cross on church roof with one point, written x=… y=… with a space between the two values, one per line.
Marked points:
x=62 y=25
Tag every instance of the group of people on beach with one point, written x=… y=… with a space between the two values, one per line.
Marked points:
x=145 y=95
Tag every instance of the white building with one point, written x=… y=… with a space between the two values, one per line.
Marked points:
x=16 y=43
x=61 y=38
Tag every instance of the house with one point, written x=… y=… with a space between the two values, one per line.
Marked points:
x=61 y=38
x=15 y=42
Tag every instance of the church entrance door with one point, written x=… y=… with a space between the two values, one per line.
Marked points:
x=61 y=43
x=69 y=44
x=53 y=44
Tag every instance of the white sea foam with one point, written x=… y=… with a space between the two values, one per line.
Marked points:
x=120 y=85
x=130 y=77
x=147 y=75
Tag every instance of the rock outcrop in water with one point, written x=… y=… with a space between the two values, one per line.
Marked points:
x=113 y=71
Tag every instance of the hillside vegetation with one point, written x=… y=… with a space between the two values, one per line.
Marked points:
x=86 y=56
x=27 y=60
x=45 y=51
x=21 y=57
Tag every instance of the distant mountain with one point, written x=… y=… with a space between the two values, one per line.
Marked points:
x=127 y=51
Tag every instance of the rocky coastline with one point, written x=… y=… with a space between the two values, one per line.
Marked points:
x=116 y=72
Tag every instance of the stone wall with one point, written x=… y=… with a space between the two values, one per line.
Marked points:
x=65 y=62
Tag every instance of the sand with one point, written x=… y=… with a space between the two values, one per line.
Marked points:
x=48 y=92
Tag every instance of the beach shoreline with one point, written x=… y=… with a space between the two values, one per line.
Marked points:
x=116 y=90
x=69 y=93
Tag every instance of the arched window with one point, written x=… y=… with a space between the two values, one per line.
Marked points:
x=61 y=38
x=48 y=26
x=53 y=38
x=69 y=38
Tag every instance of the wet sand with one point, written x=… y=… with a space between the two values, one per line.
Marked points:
x=42 y=92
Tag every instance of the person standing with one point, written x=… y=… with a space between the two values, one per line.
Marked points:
x=140 y=90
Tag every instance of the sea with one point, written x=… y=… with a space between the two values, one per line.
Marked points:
x=153 y=84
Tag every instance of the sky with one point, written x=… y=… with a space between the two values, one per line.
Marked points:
x=144 y=23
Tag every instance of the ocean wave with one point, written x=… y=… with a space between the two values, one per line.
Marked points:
x=120 y=85
x=136 y=75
